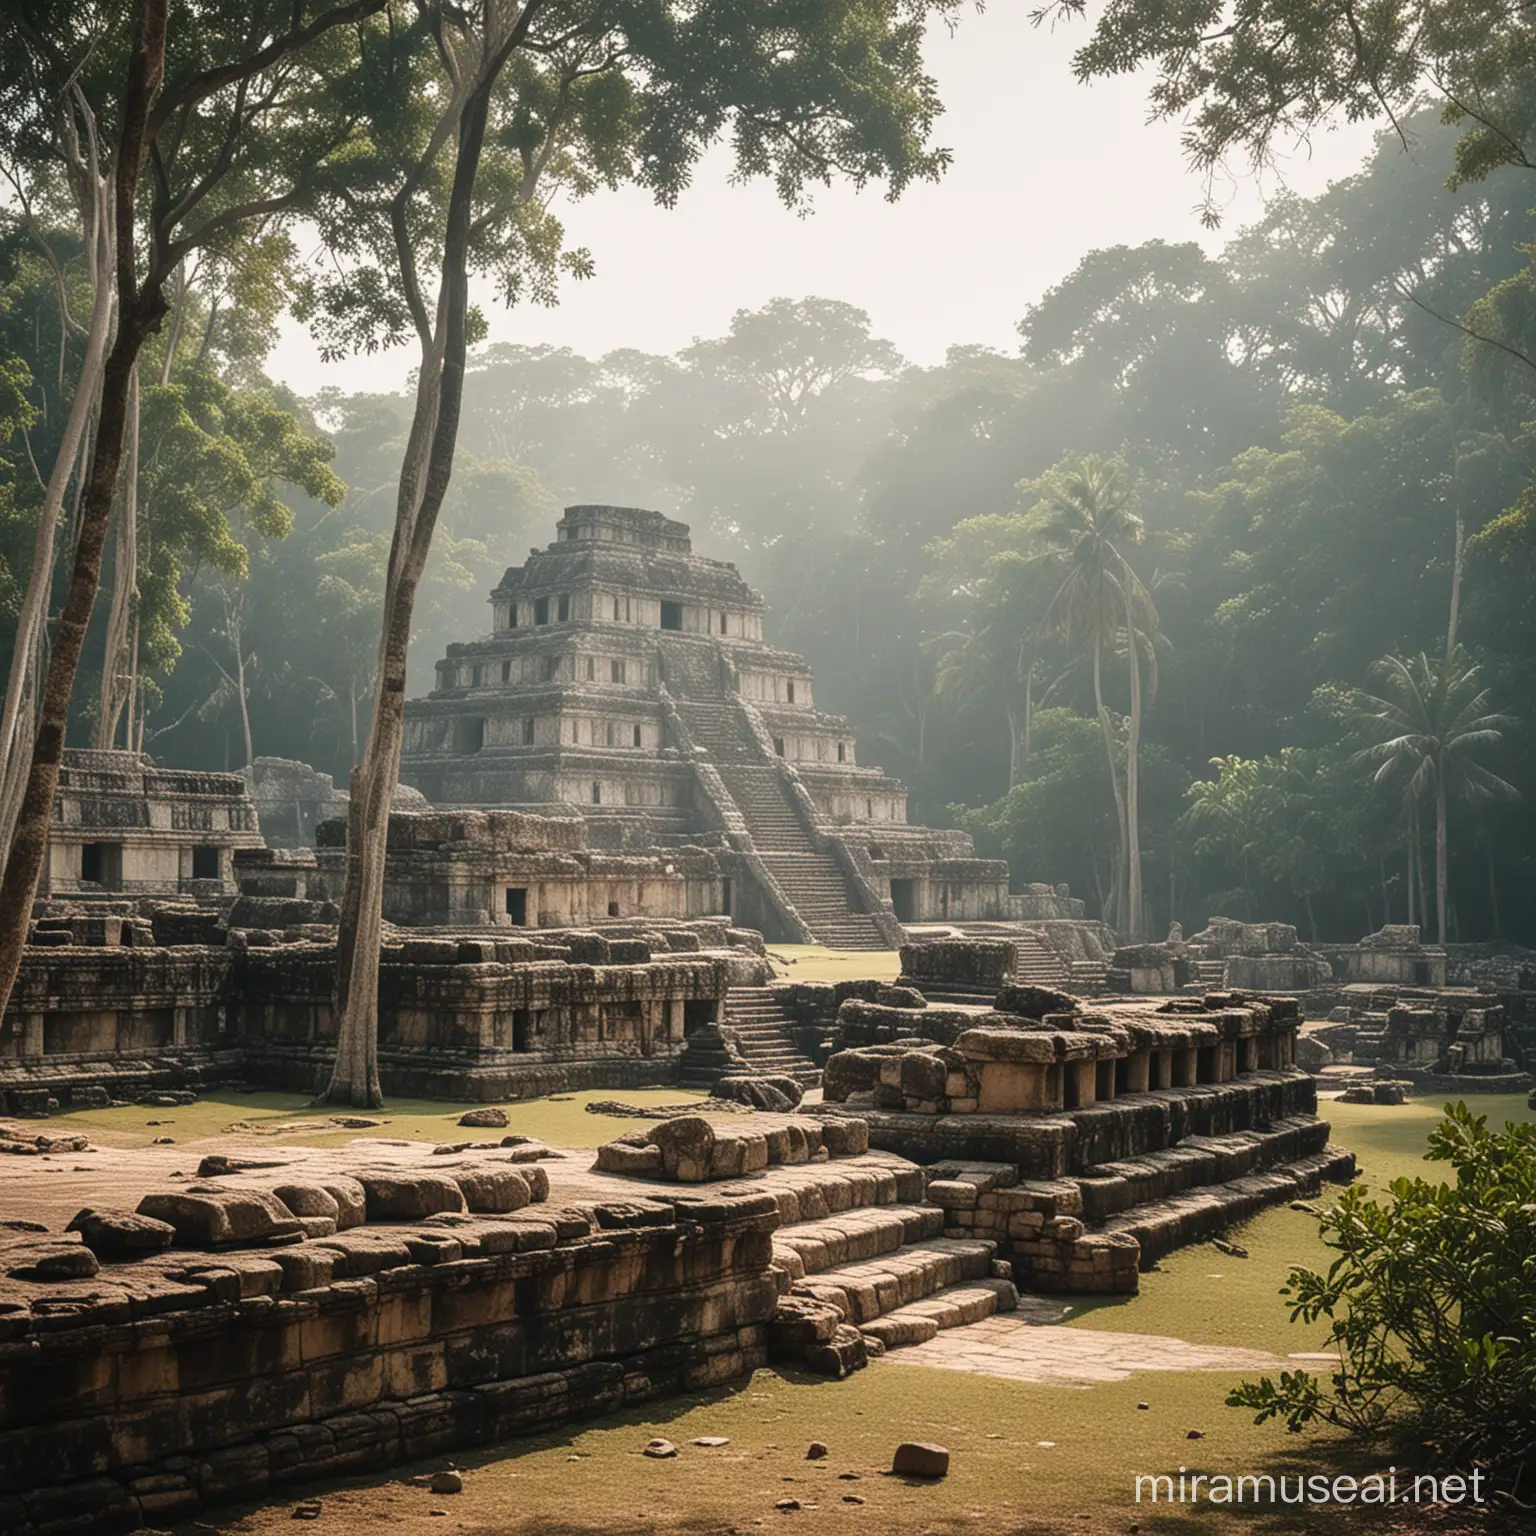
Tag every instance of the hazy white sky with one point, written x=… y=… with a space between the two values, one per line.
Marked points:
x=1044 y=171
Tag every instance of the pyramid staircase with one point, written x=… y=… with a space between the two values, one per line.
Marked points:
x=813 y=880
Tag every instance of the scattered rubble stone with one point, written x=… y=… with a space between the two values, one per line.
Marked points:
x=494 y=1119
x=446 y=1482
x=659 y=1450
x=115 y=1235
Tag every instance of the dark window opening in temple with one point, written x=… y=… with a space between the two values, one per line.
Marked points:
x=608 y=734
x=517 y=906
x=597 y=794
x=551 y=668
x=671 y=615
x=638 y=741
x=616 y=611
x=842 y=752
x=468 y=735
x=563 y=608
x=1421 y=974
x=1071 y=1098
x=476 y=675
x=1122 y=1075
x=102 y=863
x=778 y=745
x=591 y=669
x=1207 y=1069
x=723 y=629
x=698 y=1012
x=615 y=671
x=902 y=903
x=541 y=610
x=613 y=909
x=528 y=726
x=790 y=690
x=522 y=1029
x=205 y=863
x=1104 y=1080
x=869 y=810
x=506 y=671
x=876 y=851
x=511 y=615
x=725 y=894
x=575 y=732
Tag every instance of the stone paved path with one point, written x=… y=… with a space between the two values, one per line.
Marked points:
x=1022 y=1346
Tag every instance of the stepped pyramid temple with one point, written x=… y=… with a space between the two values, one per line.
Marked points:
x=626 y=680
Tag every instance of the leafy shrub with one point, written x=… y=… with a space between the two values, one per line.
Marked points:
x=1432 y=1309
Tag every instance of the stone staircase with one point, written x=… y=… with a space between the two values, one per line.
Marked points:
x=813 y=880
x=720 y=730
x=891 y=1274
x=1036 y=964
x=762 y=1032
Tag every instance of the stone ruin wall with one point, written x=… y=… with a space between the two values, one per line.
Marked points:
x=126 y=1004
x=253 y=1355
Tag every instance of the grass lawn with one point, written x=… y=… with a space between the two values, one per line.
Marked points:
x=813 y=962
x=562 y=1120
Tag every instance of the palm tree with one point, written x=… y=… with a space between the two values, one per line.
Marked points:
x=1087 y=517
x=1431 y=726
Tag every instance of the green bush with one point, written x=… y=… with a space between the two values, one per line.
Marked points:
x=1432 y=1309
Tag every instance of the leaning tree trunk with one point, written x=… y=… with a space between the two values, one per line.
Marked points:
x=138 y=313
x=1114 y=782
x=1133 y=790
x=17 y=718
x=125 y=587
x=424 y=483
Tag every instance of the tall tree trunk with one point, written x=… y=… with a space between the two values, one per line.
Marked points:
x=1114 y=779
x=238 y=636
x=1017 y=751
x=1459 y=552
x=17 y=718
x=1493 y=892
x=138 y=313
x=1441 y=872
x=1306 y=902
x=125 y=585
x=1133 y=786
x=1412 y=878
x=424 y=479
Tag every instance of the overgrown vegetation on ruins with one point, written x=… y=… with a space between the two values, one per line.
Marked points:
x=1429 y=1307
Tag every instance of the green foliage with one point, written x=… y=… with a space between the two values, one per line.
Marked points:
x=1240 y=78
x=1292 y=824
x=1431 y=1306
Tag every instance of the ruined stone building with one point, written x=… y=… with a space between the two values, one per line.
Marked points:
x=626 y=679
x=124 y=826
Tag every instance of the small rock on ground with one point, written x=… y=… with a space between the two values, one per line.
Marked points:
x=446 y=1482
x=915 y=1459
x=660 y=1450
x=712 y=1440
x=816 y=1451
